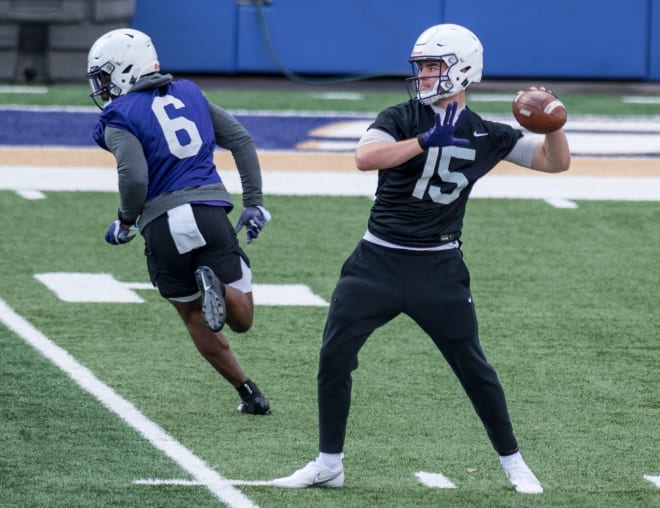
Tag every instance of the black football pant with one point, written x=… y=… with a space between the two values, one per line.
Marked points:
x=377 y=284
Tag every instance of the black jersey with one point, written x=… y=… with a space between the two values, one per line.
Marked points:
x=421 y=203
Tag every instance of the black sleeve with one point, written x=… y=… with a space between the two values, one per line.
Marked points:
x=132 y=171
x=231 y=135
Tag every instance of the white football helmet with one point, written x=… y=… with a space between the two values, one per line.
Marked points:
x=117 y=60
x=459 y=49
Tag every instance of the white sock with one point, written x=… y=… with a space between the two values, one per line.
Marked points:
x=505 y=460
x=331 y=461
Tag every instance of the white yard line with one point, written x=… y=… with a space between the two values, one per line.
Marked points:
x=193 y=483
x=8 y=89
x=198 y=469
x=103 y=287
x=654 y=479
x=291 y=183
x=434 y=480
x=561 y=203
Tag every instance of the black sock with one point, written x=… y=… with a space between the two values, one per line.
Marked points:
x=247 y=390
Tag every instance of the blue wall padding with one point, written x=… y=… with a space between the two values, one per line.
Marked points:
x=563 y=39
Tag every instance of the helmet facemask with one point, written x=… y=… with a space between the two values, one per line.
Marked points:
x=100 y=79
x=443 y=85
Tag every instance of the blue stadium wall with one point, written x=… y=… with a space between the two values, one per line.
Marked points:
x=563 y=39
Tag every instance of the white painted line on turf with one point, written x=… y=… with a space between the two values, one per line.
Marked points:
x=434 y=480
x=31 y=194
x=138 y=285
x=55 y=109
x=58 y=179
x=252 y=483
x=104 y=288
x=295 y=183
x=561 y=203
x=23 y=89
x=194 y=483
x=286 y=294
x=88 y=287
x=640 y=100
x=568 y=187
x=655 y=480
x=197 y=468
x=175 y=481
x=339 y=96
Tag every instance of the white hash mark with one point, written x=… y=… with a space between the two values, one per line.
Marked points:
x=434 y=480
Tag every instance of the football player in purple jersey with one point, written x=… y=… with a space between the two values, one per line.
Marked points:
x=163 y=133
x=428 y=152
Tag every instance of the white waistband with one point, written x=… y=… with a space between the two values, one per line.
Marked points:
x=371 y=238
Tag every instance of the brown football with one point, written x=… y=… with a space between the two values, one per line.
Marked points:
x=539 y=111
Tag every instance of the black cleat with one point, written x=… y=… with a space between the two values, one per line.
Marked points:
x=254 y=402
x=213 y=304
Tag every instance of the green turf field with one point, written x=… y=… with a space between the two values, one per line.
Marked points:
x=569 y=320
x=567 y=300
x=321 y=99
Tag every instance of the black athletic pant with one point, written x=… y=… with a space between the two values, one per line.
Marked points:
x=377 y=284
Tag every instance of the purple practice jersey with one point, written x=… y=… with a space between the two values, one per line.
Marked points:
x=173 y=123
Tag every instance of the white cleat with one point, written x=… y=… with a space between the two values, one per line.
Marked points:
x=520 y=475
x=312 y=475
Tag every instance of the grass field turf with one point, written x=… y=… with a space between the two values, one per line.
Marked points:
x=257 y=96
x=569 y=320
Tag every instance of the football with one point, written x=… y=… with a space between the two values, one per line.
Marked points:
x=539 y=111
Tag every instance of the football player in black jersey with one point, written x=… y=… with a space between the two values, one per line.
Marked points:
x=428 y=152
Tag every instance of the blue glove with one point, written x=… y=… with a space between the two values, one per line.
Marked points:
x=254 y=219
x=442 y=133
x=117 y=234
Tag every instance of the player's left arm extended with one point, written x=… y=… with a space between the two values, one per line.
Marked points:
x=553 y=155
